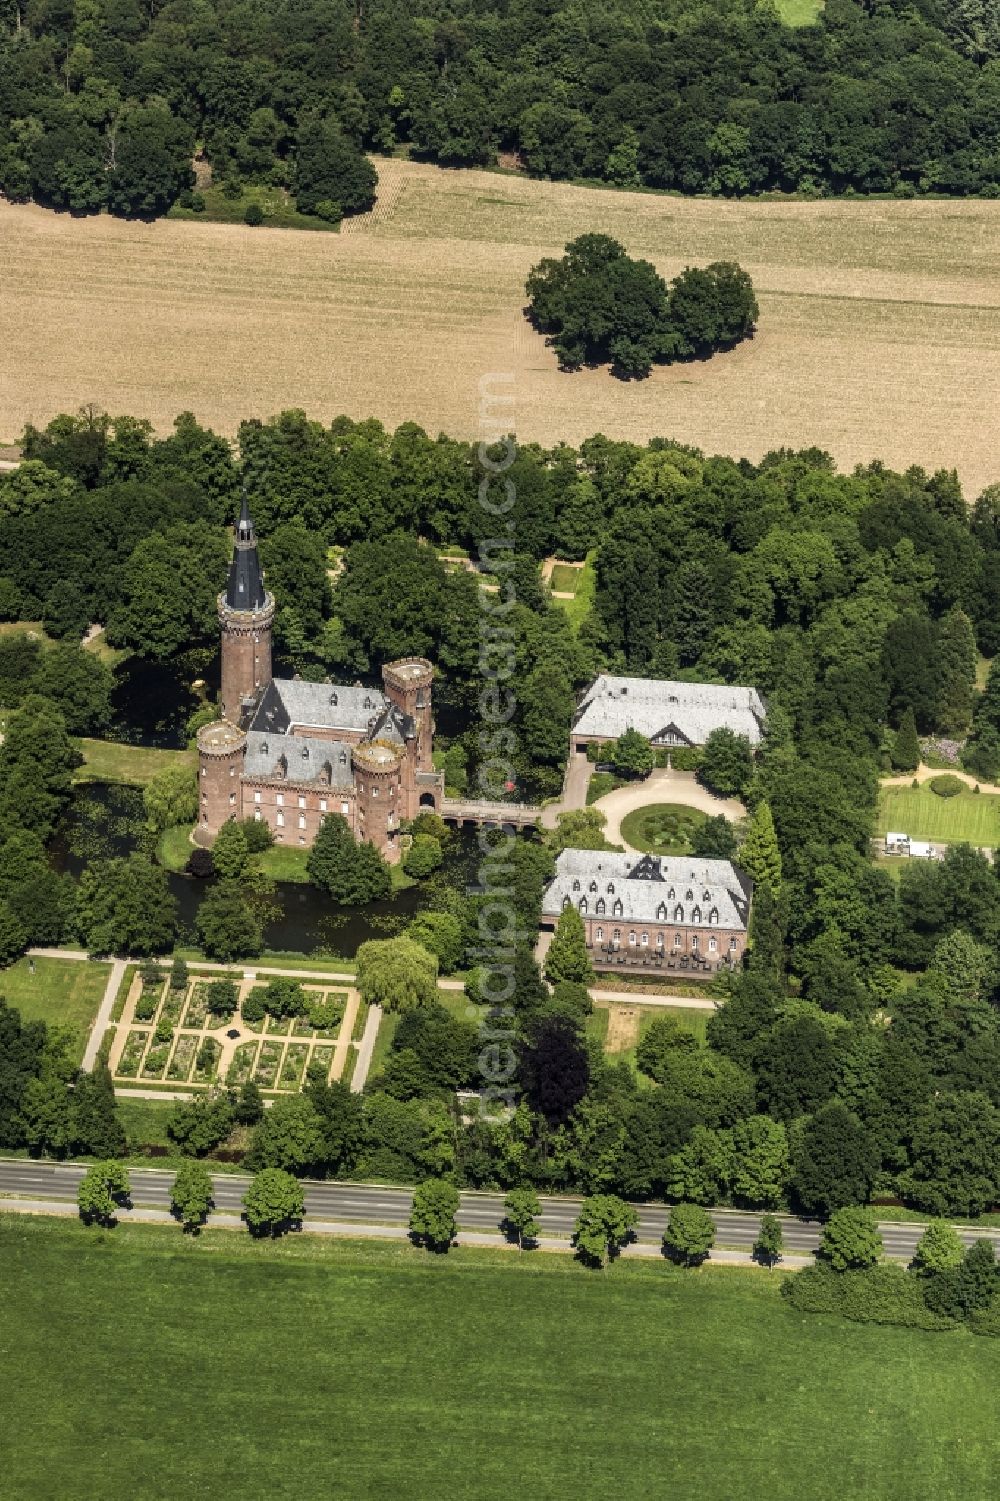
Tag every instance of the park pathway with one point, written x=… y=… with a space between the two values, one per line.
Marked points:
x=366 y=1048
x=574 y=794
x=103 y=1019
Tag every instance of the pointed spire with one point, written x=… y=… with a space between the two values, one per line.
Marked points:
x=245 y=589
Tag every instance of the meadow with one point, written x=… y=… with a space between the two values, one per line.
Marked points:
x=313 y=1367
x=972 y=818
x=879 y=332
x=60 y=992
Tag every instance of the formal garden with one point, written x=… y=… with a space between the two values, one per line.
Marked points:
x=180 y=1028
x=662 y=828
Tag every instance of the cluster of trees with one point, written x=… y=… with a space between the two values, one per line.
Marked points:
x=46 y=1104
x=600 y=306
x=103 y=104
x=946 y=1283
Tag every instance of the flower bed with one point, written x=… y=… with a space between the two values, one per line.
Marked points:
x=184 y=1056
x=135 y=1046
x=207 y=1060
x=268 y=1063
x=243 y=1063
x=156 y=1062
x=294 y=1066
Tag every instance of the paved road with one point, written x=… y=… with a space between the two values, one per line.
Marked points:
x=369 y=1207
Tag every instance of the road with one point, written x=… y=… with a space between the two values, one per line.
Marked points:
x=370 y=1208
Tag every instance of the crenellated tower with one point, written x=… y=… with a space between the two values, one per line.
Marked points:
x=246 y=616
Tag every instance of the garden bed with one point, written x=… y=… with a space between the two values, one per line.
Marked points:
x=268 y=1063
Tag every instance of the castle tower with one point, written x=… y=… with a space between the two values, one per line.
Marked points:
x=378 y=783
x=408 y=686
x=246 y=615
x=221 y=748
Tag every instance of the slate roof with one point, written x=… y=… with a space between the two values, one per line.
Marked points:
x=245 y=586
x=306 y=757
x=651 y=888
x=329 y=706
x=653 y=706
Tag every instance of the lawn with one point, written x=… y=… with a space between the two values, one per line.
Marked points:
x=61 y=992
x=973 y=818
x=645 y=1382
x=799 y=12
x=286 y=863
x=174 y=848
x=581 y=583
x=133 y=765
x=279 y=209
x=565 y=578
x=662 y=828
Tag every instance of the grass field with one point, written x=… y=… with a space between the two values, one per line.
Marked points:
x=973 y=818
x=375 y=1371
x=893 y=306
x=799 y=12
x=134 y=765
x=662 y=828
x=61 y=992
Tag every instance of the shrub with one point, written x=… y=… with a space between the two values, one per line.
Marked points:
x=253 y=1008
x=145 y=1006
x=164 y=1031
x=947 y=785
x=220 y=997
x=324 y=1014
x=198 y=202
x=258 y=835
x=254 y=215
x=178 y=974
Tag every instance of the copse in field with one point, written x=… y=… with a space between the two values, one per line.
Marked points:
x=599 y=306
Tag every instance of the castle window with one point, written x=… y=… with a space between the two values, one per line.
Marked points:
x=696 y=915
x=583 y=904
x=322 y=805
x=256 y=797
x=689 y=896
x=302 y=802
x=732 y=944
x=599 y=935
x=576 y=886
x=706 y=896
x=661 y=913
x=204 y=771
x=374 y=792
x=344 y=807
x=282 y=769
x=232 y=771
x=305 y=753
x=611 y=888
x=601 y=908
x=302 y=820
x=713 y=916
x=659 y=940
x=368 y=702
x=232 y=799
x=566 y=902
x=280 y=799
x=618 y=937
x=333 y=699
x=677 y=940
x=644 y=941
x=694 y=942
x=256 y=815
x=280 y=820
x=343 y=758
x=631 y=939
x=713 y=944
x=302 y=839
x=618 y=910
x=263 y=748
x=671 y=894
x=678 y=914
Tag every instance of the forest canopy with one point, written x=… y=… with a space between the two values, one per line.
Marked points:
x=104 y=102
x=600 y=305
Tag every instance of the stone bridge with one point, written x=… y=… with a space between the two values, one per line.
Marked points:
x=469 y=810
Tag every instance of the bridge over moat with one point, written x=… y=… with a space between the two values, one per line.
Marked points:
x=468 y=810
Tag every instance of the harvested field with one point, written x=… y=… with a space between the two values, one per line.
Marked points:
x=879 y=331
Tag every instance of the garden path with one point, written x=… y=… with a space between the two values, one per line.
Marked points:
x=925 y=773
x=662 y=786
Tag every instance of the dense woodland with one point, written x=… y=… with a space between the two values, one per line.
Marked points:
x=860 y=1050
x=102 y=102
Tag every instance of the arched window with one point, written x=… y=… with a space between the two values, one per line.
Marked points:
x=611 y=888
x=618 y=910
x=601 y=906
x=706 y=896
x=617 y=937
x=678 y=914
x=576 y=886
x=593 y=886
x=713 y=944
x=671 y=894
x=661 y=913
x=631 y=938
x=713 y=916
x=583 y=904
x=644 y=940
x=677 y=940
x=696 y=915
x=689 y=896
x=566 y=903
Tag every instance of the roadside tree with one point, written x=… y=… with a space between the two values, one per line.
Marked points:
x=103 y=1188
x=690 y=1234
x=191 y=1195
x=432 y=1216
x=603 y=1226
x=274 y=1202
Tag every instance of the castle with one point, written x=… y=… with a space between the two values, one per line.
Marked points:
x=287 y=752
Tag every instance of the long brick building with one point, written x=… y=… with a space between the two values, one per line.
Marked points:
x=666 y=912
x=289 y=752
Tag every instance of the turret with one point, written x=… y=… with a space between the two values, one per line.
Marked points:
x=408 y=686
x=378 y=782
x=221 y=749
x=246 y=616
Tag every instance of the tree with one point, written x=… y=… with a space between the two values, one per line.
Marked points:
x=287 y=1136
x=79 y=684
x=274 y=1202
x=957 y=658
x=230 y=852
x=715 y=839
x=152 y=152
x=954 y=1155
x=349 y=872
x=939 y=1249
x=37 y=759
x=521 y=1209
x=905 y=753
x=834 y=1160
x=664 y=1036
x=178 y=973
x=700 y=1170
x=199 y=1125
x=95 y=1129
x=126 y=907
x=851 y=1240
x=567 y=957
x=191 y=1194
x=67 y=169
x=759 y=1168
x=603 y=1226
x=770 y=1241
x=228 y=924
x=331 y=171
x=553 y=1066
x=103 y=1187
x=726 y=763
x=397 y=974
x=423 y=856
x=759 y=854
x=432 y=1215
x=249 y=1107
x=442 y=935
x=690 y=1234
x=631 y=754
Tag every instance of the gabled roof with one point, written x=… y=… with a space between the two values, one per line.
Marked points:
x=288 y=703
x=651 y=888
x=653 y=705
x=306 y=759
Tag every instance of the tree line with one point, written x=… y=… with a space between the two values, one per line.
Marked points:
x=103 y=104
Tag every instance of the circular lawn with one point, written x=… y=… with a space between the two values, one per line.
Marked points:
x=662 y=828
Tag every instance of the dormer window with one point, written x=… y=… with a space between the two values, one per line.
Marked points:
x=368 y=702
x=263 y=749
x=576 y=886
x=583 y=904
x=661 y=913
x=601 y=908
x=282 y=767
x=305 y=753
x=678 y=914
x=618 y=909
x=713 y=916
x=611 y=888
x=343 y=758
x=706 y=896
x=566 y=903
x=593 y=886
x=671 y=895
x=696 y=915
x=689 y=896
x=333 y=700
